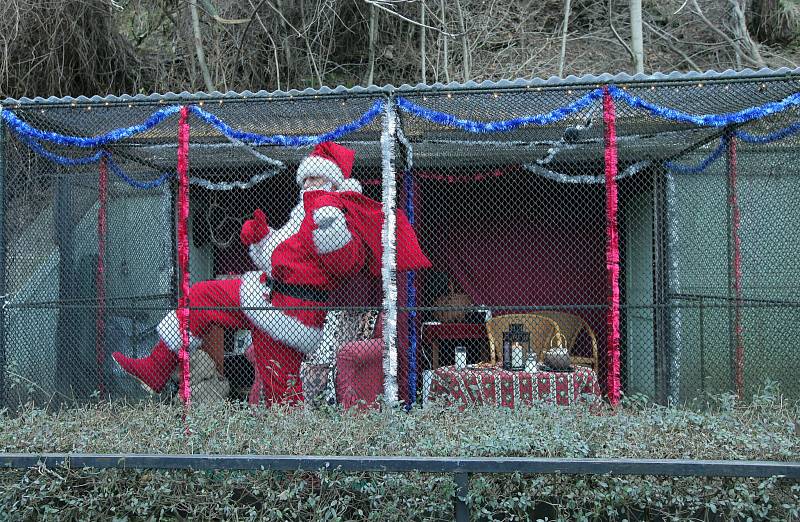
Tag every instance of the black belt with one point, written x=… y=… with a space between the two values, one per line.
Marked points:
x=304 y=292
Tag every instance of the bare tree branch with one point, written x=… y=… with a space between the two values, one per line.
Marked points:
x=380 y=5
x=619 y=38
x=672 y=47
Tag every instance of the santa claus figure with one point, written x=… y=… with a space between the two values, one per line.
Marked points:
x=332 y=234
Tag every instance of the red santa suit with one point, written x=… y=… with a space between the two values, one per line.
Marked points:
x=329 y=237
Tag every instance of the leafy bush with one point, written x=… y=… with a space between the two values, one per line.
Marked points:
x=765 y=429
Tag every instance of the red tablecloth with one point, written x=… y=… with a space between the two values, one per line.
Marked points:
x=507 y=388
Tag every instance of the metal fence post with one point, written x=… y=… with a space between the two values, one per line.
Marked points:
x=3 y=360
x=66 y=365
x=462 y=490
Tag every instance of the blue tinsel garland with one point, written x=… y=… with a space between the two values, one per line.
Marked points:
x=289 y=141
x=768 y=138
x=411 y=298
x=703 y=165
x=32 y=136
x=37 y=147
x=707 y=120
x=135 y=182
x=24 y=129
x=449 y=120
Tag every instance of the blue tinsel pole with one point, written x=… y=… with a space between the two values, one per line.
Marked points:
x=411 y=298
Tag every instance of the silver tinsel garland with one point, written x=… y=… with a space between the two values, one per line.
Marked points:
x=389 y=261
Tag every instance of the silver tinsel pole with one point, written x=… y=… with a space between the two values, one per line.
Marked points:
x=389 y=261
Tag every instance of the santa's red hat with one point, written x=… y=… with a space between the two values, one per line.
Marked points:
x=331 y=161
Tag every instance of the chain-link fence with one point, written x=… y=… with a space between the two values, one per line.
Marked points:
x=478 y=263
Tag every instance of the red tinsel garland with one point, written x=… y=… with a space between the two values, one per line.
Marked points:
x=737 y=268
x=612 y=249
x=183 y=248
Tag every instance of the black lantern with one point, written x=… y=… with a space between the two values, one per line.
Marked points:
x=516 y=347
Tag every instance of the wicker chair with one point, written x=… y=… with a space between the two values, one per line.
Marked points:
x=572 y=326
x=544 y=333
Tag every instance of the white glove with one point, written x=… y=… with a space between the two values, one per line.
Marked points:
x=332 y=233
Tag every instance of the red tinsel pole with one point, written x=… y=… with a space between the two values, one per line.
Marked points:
x=737 y=267
x=100 y=277
x=612 y=249
x=183 y=248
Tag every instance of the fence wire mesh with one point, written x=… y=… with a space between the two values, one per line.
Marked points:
x=289 y=284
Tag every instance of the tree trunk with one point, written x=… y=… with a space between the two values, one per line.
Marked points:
x=564 y=30
x=198 y=46
x=745 y=42
x=637 y=41
x=464 y=42
x=373 y=32
x=422 y=37
x=445 y=43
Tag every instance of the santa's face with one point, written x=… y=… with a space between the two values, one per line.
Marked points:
x=316 y=183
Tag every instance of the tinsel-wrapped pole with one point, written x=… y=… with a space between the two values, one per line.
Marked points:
x=736 y=243
x=612 y=248
x=389 y=261
x=183 y=250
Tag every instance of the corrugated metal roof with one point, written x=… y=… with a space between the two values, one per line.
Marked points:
x=521 y=83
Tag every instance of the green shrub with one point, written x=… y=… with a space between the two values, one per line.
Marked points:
x=765 y=429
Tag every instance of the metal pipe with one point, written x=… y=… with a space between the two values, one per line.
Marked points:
x=65 y=357
x=400 y=464
x=462 y=492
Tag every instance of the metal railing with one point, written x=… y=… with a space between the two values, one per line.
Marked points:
x=460 y=468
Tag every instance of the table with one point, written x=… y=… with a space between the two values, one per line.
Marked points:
x=495 y=386
x=433 y=334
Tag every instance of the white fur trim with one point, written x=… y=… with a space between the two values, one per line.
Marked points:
x=261 y=252
x=350 y=185
x=332 y=233
x=275 y=323
x=169 y=331
x=319 y=166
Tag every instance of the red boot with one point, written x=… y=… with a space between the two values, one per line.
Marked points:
x=152 y=371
